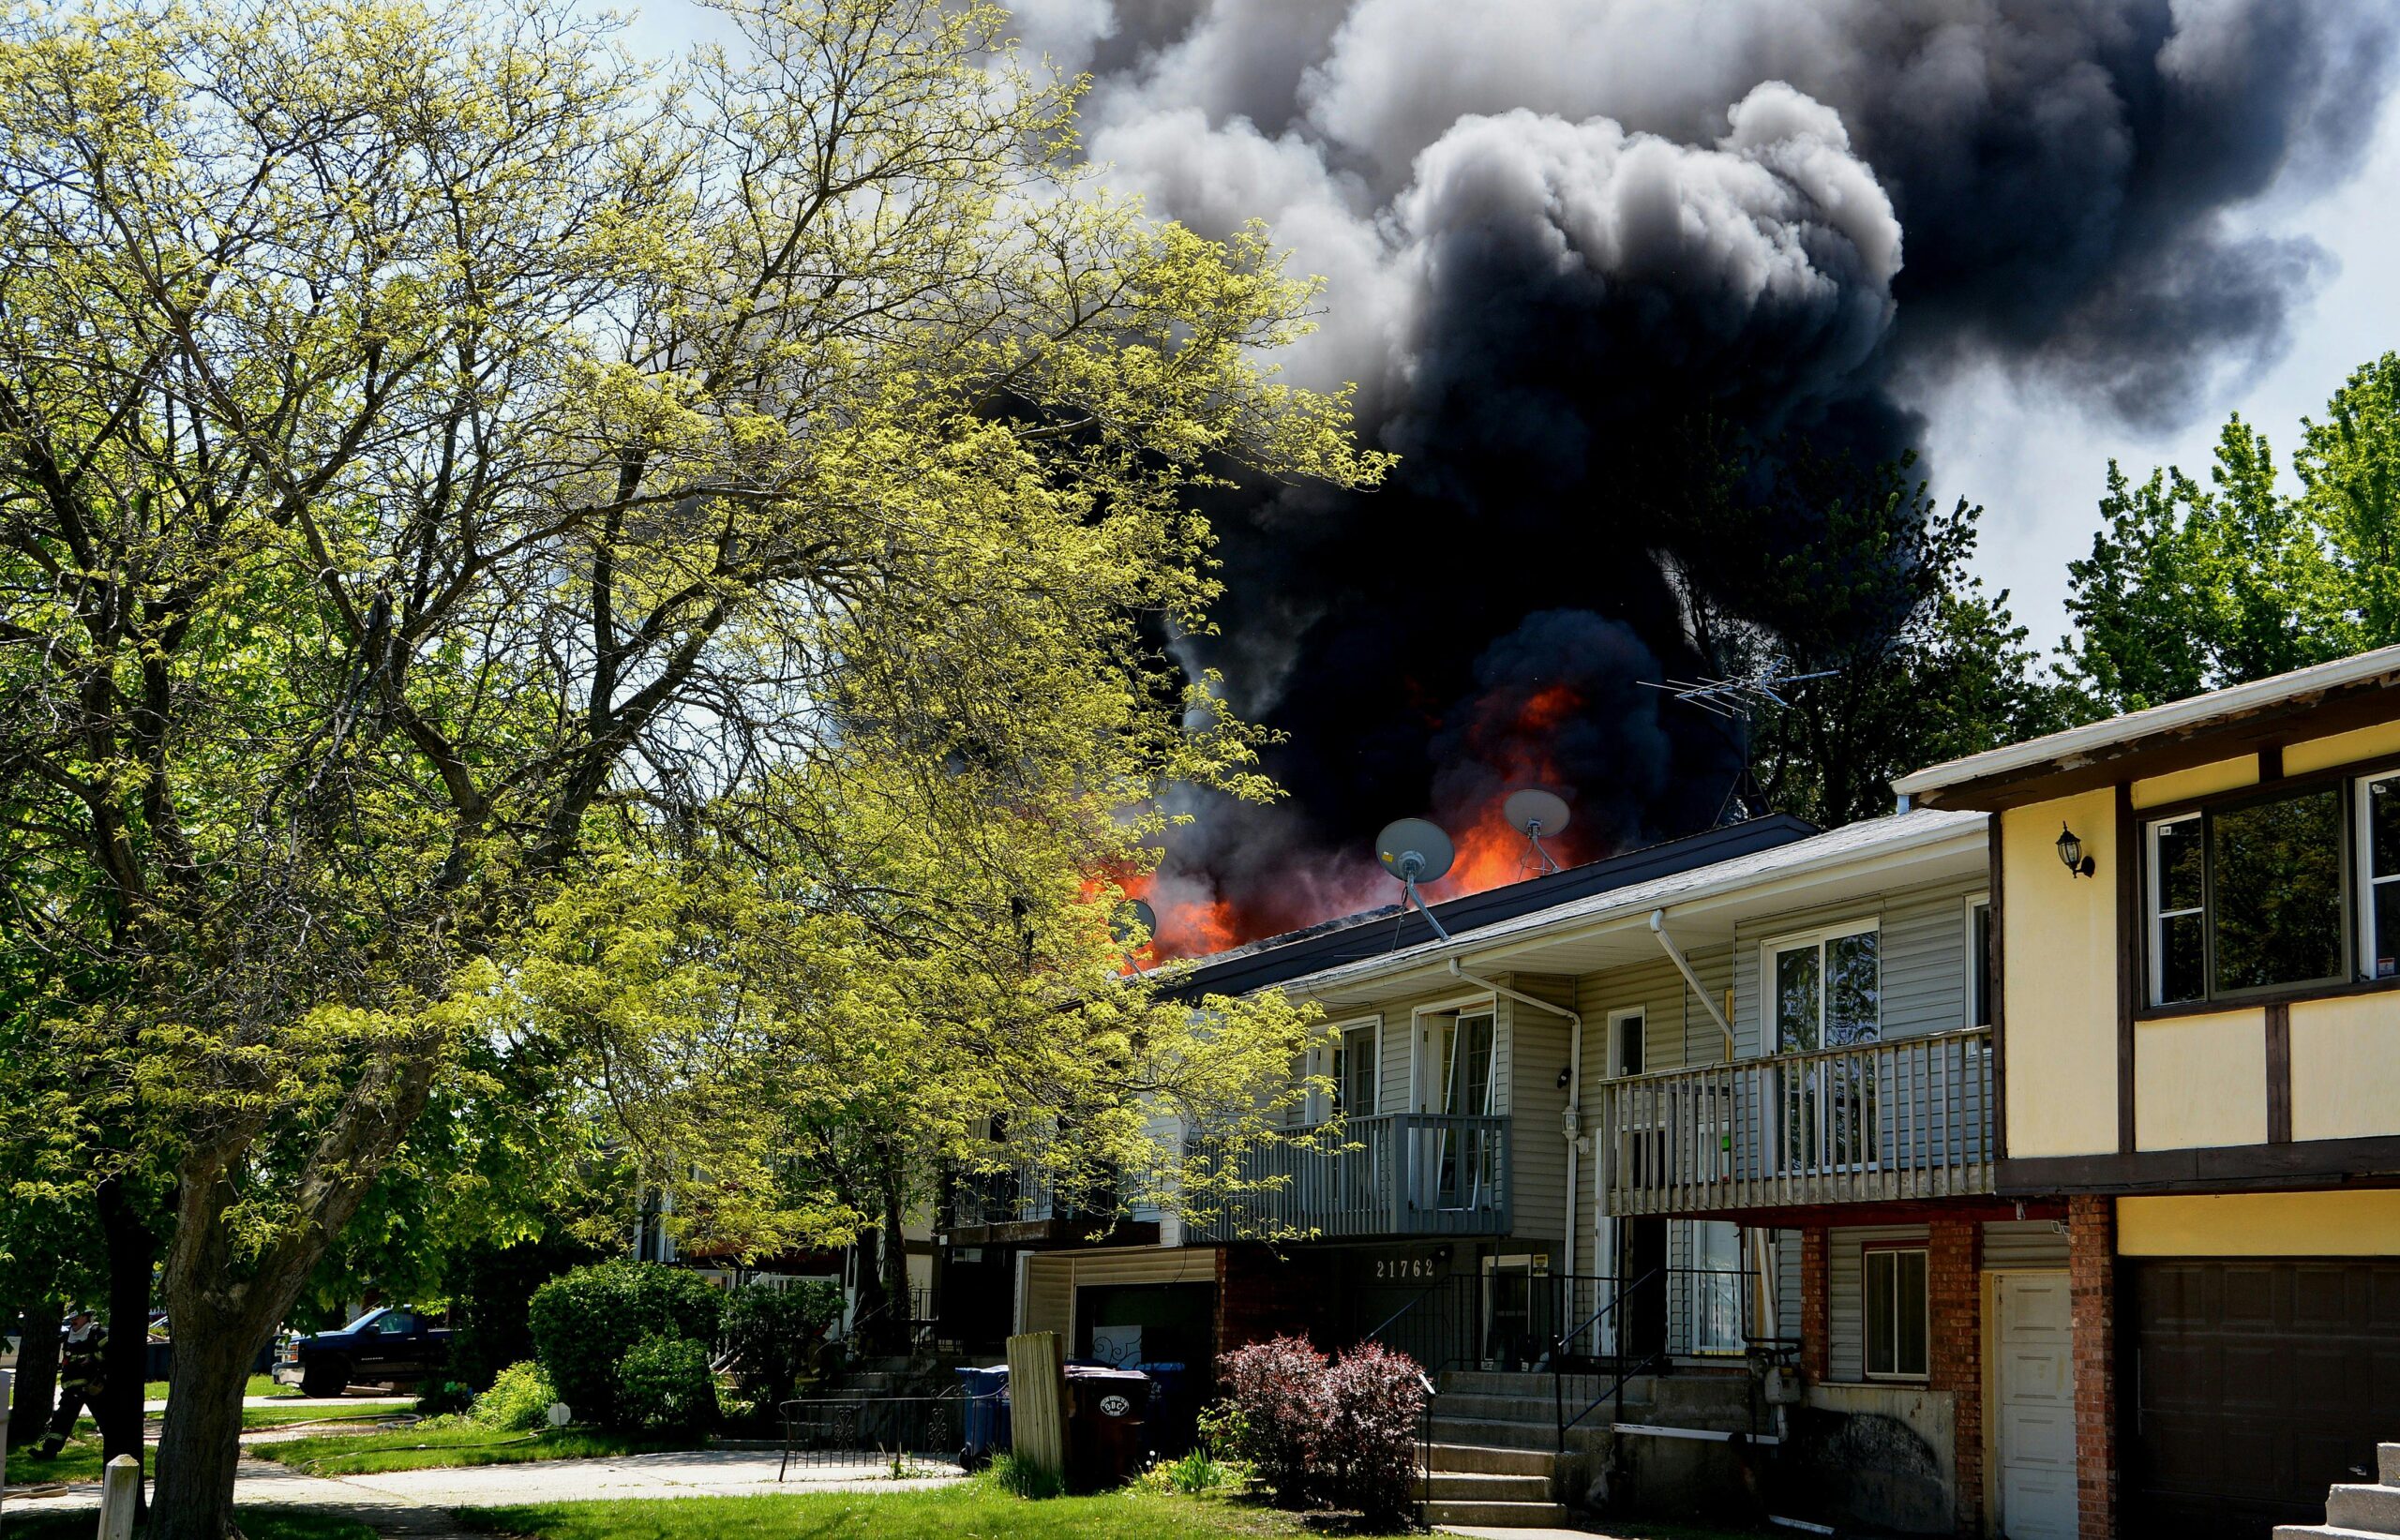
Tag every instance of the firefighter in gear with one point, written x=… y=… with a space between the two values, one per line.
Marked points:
x=78 y=1378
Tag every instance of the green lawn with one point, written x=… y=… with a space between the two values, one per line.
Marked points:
x=26 y=1521
x=975 y=1510
x=417 y=1449
x=260 y=1384
x=276 y=1417
x=79 y=1461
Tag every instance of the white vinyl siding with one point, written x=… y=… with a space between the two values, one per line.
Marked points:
x=2024 y=1243
x=1846 y=1292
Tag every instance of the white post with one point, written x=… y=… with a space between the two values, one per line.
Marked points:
x=119 y=1488
x=7 y=1400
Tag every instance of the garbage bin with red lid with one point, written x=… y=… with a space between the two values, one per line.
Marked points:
x=1106 y=1410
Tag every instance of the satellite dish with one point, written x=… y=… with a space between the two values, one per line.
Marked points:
x=1534 y=813
x=1414 y=850
x=1131 y=915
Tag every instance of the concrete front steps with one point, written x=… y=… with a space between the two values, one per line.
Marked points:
x=1495 y=1461
x=2354 y=1511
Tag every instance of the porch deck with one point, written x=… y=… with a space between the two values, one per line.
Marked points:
x=1871 y=1122
x=1407 y=1174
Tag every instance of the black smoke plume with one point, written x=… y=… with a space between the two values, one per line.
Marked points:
x=1563 y=236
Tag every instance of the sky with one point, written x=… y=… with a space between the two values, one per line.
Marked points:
x=2035 y=455
x=2037 y=460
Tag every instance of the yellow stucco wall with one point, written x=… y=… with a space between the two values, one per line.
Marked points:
x=2344 y=748
x=2200 y=1081
x=2346 y=1067
x=2059 y=954
x=2199 y=780
x=2261 y=1224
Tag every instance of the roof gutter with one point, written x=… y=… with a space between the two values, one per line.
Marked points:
x=1572 y=1122
x=1683 y=965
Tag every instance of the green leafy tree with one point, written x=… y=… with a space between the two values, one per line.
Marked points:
x=2191 y=587
x=436 y=459
x=1852 y=572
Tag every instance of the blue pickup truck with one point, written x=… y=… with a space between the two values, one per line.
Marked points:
x=398 y=1345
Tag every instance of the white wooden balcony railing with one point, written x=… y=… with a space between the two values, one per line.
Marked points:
x=1873 y=1122
x=1410 y=1173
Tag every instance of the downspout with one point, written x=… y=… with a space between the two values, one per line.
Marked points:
x=1574 y=1119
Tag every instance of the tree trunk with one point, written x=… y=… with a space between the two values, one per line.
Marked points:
x=37 y=1372
x=201 y=1443
x=132 y=1249
x=896 y=1266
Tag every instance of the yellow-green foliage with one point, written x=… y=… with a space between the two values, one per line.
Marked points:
x=514 y=562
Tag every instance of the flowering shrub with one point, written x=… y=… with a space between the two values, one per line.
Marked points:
x=1341 y=1433
x=1279 y=1388
x=1368 y=1448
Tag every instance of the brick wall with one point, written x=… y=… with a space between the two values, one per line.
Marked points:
x=1262 y=1296
x=1815 y=1307
x=1954 y=1319
x=2091 y=1262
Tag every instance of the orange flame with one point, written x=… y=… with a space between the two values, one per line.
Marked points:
x=1493 y=852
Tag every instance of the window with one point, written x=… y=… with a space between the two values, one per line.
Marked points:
x=2379 y=861
x=396 y=1323
x=1979 y=961
x=2246 y=897
x=1896 y=1313
x=1353 y=1072
x=1828 y=992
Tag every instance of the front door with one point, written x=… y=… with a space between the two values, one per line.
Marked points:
x=1641 y=1264
x=2033 y=1392
x=1517 y=1328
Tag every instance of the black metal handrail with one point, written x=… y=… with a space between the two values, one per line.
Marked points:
x=1624 y=1371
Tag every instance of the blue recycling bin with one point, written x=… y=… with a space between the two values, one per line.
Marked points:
x=1170 y=1422
x=987 y=1422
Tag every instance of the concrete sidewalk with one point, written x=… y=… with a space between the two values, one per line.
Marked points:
x=703 y=1472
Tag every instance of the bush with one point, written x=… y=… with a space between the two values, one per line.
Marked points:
x=664 y=1386
x=772 y=1333
x=1342 y=1434
x=1368 y=1452
x=443 y=1397
x=1278 y=1389
x=518 y=1400
x=585 y=1324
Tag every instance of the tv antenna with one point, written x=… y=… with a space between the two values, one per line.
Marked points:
x=1533 y=813
x=1414 y=850
x=1737 y=698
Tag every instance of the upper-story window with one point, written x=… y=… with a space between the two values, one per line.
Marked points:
x=2379 y=837
x=2254 y=895
x=1979 y=961
x=1353 y=1072
x=1827 y=989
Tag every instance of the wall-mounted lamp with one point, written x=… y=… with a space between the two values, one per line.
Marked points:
x=2071 y=852
x=1565 y=1077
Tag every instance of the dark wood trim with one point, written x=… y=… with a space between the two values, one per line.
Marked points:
x=2305 y=1163
x=1996 y=943
x=1915 y=1211
x=2271 y=763
x=2132 y=983
x=2363 y=703
x=2297 y=994
x=2279 y=1074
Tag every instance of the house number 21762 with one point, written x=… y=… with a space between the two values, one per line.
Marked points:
x=1403 y=1267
